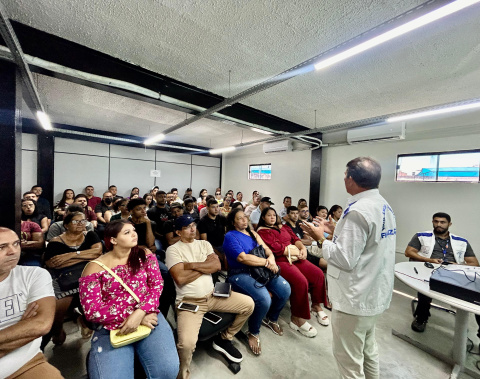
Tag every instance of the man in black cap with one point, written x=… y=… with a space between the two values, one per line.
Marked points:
x=265 y=202
x=176 y=210
x=191 y=263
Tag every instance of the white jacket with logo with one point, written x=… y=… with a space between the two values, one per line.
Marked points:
x=361 y=256
x=427 y=242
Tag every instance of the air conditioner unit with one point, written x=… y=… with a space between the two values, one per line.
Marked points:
x=380 y=132
x=277 y=146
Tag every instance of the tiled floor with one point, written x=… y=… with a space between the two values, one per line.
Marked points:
x=295 y=356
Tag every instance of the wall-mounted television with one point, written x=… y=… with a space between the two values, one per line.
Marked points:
x=261 y=171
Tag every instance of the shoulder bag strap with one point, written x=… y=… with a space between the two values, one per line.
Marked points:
x=118 y=279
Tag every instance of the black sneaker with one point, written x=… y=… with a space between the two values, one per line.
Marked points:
x=419 y=325
x=226 y=347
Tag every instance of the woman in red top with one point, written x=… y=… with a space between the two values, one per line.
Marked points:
x=302 y=275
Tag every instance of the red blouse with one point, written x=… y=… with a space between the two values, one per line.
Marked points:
x=105 y=301
x=278 y=240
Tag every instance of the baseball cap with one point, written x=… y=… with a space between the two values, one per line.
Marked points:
x=183 y=221
x=267 y=200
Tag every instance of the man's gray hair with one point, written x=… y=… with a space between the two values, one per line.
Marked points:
x=365 y=171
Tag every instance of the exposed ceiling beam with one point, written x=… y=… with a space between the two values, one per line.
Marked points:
x=10 y=38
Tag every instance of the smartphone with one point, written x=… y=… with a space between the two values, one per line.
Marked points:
x=188 y=307
x=212 y=317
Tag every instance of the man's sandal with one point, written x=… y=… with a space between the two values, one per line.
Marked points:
x=252 y=347
x=274 y=326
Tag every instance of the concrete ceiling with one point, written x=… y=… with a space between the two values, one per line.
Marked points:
x=198 y=42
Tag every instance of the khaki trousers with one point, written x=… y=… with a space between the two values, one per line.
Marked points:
x=188 y=323
x=36 y=368
x=354 y=346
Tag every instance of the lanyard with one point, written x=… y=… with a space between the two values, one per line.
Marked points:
x=444 y=249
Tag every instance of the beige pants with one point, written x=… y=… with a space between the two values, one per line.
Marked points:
x=354 y=346
x=36 y=368
x=189 y=323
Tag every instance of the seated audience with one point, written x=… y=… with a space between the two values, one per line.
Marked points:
x=203 y=193
x=122 y=212
x=218 y=197
x=226 y=208
x=190 y=209
x=175 y=197
x=302 y=275
x=238 y=205
x=154 y=191
x=335 y=213
x=159 y=214
x=133 y=192
x=90 y=215
x=92 y=201
x=61 y=207
x=43 y=204
x=212 y=228
x=32 y=244
x=239 y=199
x=254 y=205
x=57 y=228
x=113 y=190
x=239 y=241
x=108 y=303
x=191 y=263
x=254 y=195
x=103 y=212
x=168 y=227
x=265 y=203
x=204 y=210
x=287 y=202
x=314 y=252
x=304 y=213
x=322 y=212
x=30 y=213
x=438 y=246
x=169 y=199
x=143 y=225
x=189 y=192
x=66 y=257
x=26 y=317
x=227 y=196
x=41 y=209
x=148 y=200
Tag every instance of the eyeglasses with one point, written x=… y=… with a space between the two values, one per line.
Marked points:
x=75 y=222
x=218 y=193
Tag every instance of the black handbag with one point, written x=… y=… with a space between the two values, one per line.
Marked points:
x=261 y=275
x=67 y=277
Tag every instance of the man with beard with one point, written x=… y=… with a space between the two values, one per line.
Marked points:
x=437 y=247
x=103 y=213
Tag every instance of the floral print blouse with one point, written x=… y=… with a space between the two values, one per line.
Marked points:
x=107 y=302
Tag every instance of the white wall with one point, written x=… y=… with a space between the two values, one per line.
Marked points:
x=290 y=174
x=29 y=161
x=82 y=163
x=413 y=203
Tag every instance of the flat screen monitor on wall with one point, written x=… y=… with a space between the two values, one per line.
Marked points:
x=261 y=171
x=452 y=166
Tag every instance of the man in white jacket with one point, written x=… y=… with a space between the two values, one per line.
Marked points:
x=361 y=260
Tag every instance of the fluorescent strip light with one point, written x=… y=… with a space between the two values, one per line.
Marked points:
x=154 y=139
x=44 y=120
x=396 y=32
x=434 y=112
x=261 y=131
x=222 y=150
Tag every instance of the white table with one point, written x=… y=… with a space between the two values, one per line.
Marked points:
x=405 y=272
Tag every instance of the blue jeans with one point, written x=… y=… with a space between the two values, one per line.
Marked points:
x=264 y=305
x=157 y=353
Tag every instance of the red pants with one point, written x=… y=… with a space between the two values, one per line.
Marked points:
x=304 y=276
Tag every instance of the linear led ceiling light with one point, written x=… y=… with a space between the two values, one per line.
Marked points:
x=154 y=139
x=437 y=14
x=222 y=150
x=261 y=131
x=434 y=112
x=44 y=120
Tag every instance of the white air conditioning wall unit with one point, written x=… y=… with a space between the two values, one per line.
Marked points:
x=277 y=146
x=380 y=132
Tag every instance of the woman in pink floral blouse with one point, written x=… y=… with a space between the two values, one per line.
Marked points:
x=106 y=302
